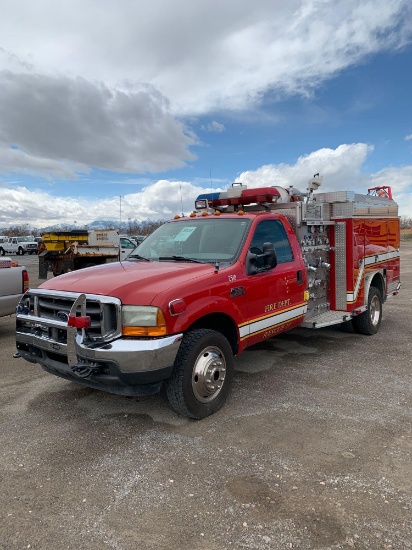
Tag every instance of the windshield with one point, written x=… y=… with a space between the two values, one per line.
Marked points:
x=24 y=239
x=206 y=240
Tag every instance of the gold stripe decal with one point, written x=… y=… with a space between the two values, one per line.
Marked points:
x=271 y=321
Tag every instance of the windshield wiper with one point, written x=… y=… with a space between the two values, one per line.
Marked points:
x=137 y=257
x=180 y=259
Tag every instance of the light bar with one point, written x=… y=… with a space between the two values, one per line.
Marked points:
x=246 y=196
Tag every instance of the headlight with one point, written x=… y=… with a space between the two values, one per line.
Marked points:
x=143 y=321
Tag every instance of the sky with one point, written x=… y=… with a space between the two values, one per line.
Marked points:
x=129 y=110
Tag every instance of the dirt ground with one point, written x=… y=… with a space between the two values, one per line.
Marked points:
x=311 y=451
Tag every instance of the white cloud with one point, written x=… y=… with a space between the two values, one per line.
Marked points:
x=341 y=168
x=16 y=160
x=213 y=127
x=408 y=137
x=203 y=55
x=65 y=125
x=100 y=84
x=162 y=200
x=399 y=178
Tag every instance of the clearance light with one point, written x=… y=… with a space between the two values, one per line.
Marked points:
x=177 y=306
x=240 y=212
x=193 y=214
x=200 y=203
x=79 y=322
x=143 y=321
x=204 y=213
x=177 y=217
x=217 y=213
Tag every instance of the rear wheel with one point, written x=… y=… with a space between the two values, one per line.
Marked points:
x=369 y=321
x=202 y=374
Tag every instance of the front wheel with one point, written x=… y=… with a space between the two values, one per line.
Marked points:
x=202 y=374
x=369 y=321
x=20 y=251
x=2 y=253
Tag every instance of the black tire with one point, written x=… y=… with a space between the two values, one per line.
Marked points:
x=20 y=251
x=369 y=321
x=2 y=253
x=202 y=352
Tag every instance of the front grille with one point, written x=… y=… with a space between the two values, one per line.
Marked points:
x=52 y=306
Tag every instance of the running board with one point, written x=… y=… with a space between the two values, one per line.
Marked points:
x=326 y=319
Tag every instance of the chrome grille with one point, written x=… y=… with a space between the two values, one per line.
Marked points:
x=55 y=306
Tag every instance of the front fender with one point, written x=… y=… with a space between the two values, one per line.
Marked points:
x=205 y=306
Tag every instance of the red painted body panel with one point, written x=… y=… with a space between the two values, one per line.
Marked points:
x=370 y=243
x=131 y=282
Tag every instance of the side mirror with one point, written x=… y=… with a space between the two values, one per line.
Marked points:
x=256 y=263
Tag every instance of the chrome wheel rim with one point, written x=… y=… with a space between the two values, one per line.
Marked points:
x=375 y=311
x=208 y=374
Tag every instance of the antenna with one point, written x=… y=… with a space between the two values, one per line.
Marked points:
x=181 y=198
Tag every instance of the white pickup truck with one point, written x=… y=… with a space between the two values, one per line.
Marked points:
x=14 y=281
x=18 y=245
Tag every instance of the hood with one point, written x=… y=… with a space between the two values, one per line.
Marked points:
x=131 y=282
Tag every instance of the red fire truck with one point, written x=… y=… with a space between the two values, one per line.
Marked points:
x=244 y=266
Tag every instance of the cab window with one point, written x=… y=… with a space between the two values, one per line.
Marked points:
x=126 y=243
x=272 y=231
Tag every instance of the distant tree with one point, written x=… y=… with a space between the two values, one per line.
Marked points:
x=17 y=230
x=148 y=226
x=406 y=222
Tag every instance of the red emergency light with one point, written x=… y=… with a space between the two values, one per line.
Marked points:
x=82 y=321
x=384 y=191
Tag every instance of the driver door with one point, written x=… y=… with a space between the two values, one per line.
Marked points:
x=274 y=297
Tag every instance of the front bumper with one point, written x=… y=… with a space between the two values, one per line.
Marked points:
x=125 y=366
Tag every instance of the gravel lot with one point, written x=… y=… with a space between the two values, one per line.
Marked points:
x=312 y=451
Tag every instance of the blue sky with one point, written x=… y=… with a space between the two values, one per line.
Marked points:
x=155 y=104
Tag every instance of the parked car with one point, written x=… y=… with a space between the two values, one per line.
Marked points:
x=14 y=281
x=18 y=245
x=138 y=239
